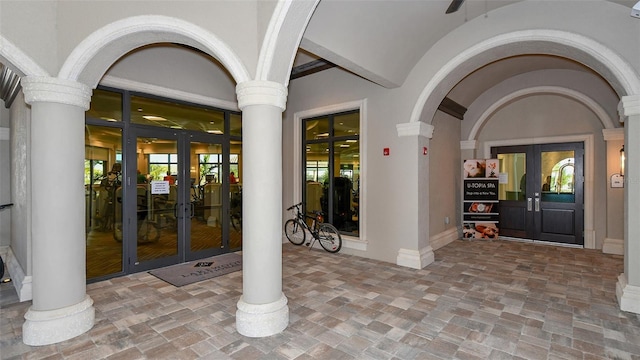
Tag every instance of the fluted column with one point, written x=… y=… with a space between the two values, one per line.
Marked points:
x=628 y=286
x=61 y=308
x=262 y=308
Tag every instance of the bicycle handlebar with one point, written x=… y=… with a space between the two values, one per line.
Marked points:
x=2 y=207
x=292 y=206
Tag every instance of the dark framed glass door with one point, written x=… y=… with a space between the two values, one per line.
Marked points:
x=176 y=208
x=542 y=193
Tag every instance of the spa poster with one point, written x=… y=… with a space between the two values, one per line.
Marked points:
x=480 y=209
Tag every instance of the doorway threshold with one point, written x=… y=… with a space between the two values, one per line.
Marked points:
x=532 y=241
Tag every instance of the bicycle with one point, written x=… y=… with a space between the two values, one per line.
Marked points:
x=326 y=234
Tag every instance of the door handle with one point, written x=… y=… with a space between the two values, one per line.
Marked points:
x=175 y=210
x=193 y=210
x=529 y=204
x=537 y=204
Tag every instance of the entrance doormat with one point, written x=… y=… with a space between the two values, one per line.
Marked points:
x=191 y=272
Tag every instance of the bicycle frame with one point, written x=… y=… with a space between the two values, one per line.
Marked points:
x=325 y=233
x=316 y=220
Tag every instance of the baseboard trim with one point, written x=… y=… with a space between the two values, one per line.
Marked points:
x=444 y=238
x=613 y=246
x=628 y=295
x=21 y=282
x=415 y=259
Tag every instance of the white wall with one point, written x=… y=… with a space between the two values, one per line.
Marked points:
x=445 y=182
x=386 y=220
x=176 y=68
x=48 y=31
x=5 y=176
x=21 y=183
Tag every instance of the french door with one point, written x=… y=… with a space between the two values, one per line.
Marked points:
x=176 y=208
x=541 y=192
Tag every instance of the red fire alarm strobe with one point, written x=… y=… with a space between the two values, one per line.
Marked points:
x=385 y=151
x=425 y=151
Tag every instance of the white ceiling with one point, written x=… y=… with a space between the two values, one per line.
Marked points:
x=348 y=32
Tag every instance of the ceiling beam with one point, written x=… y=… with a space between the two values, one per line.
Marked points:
x=310 y=68
x=452 y=108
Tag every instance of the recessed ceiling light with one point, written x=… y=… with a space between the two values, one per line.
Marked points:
x=154 y=118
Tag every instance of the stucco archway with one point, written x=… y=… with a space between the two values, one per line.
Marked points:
x=622 y=76
x=88 y=62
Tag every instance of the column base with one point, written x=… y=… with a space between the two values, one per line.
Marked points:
x=415 y=259
x=628 y=295
x=54 y=326
x=262 y=320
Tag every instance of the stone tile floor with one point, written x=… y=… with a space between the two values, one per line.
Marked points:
x=478 y=300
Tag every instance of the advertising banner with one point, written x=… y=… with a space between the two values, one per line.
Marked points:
x=480 y=195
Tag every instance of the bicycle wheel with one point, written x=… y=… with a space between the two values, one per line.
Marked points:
x=294 y=231
x=329 y=238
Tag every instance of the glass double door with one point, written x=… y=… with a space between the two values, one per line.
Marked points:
x=175 y=202
x=541 y=192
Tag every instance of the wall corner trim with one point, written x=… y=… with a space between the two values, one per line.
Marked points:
x=613 y=134
x=415 y=259
x=613 y=246
x=415 y=129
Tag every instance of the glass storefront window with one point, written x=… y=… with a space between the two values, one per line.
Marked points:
x=106 y=105
x=174 y=115
x=235 y=125
x=317 y=128
x=103 y=186
x=332 y=169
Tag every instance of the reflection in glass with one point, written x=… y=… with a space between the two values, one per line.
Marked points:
x=557 y=169
x=156 y=223
x=332 y=169
x=206 y=229
x=175 y=115
x=105 y=105
x=513 y=166
x=317 y=170
x=346 y=124
x=235 y=197
x=317 y=128
x=235 y=125
x=103 y=183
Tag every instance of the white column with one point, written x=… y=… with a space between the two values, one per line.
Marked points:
x=628 y=286
x=61 y=308
x=262 y=308
x=418 y=252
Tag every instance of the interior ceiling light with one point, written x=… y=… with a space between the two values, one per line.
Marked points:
x=344 y=145
x=215 y=132
x=154 y=118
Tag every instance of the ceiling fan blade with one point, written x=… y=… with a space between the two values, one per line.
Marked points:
x=454 y=6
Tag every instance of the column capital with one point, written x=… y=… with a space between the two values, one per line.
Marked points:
x=258 y=92
x=468 y=144
x=417 y=128
x=613 y=134
x=629 y=105
x=56 y=90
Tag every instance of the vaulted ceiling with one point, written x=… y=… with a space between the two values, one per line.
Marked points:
x=383 y=40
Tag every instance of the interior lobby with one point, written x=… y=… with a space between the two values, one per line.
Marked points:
x=462 y=138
